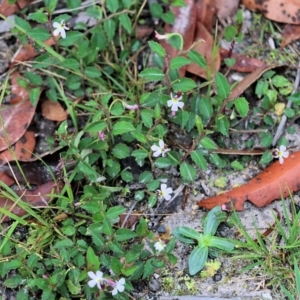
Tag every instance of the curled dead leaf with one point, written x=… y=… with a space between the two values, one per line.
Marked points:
x=53 y=111
x=15 y=120
x=7 y=9
x=290 y=34
x=21 y=150
x=276 y=181
x=287 y=11
x=39 y=197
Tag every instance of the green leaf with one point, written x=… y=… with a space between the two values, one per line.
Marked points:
x=147 y=117
x=92 y=259
x=139 y=137
x=280 y=81
x=22 y=23
x=152 y=201
x=184 y=85
x=112 y=5
x=230 y=33
x=236 y=165
x=187 y=171
x=197 y=259
x=145 y=177
x=34 y=95
x=152 y=74
x=289 y=112
x=38 y=17
x=295 y=98
x=124 y=234
x=39 y=33
x=222 y=85
x=242 y=106
x=139 y=154
x=222 y=124
x=199 y=159
x=113 y=168
x=153 y=185
x=92 y=72
x=139 y=195
x=178 y=62
x=216 y=160
x=121 y=151
x=51 y=5
x=114 y=212
x=122 y=127
x=266 y=158
x=109 y=28
x=189 y=232
x=127 y=176
x=164 y=162
x=157 y=48
x=126 y=22
x=205 y=109
x=197 y=58
x=221 y=244
x=208 y=143
x=71 y=39
x=213 y=220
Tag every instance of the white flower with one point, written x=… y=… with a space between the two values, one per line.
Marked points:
x=97 y=279
x=159 y=246
x=119 y=287
x=165 y=192
x=174 y=102
x=159 y=150
x=60 y=29
x=281 y=153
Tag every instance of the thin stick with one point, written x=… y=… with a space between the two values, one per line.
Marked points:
x=289 y=104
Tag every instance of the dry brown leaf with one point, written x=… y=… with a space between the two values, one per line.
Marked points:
x=226 y=8
x=276 y=181
x=185 y=24
x=247 y=81
x=15 y=120
x=39 y=197
x=290 y=34
x=243 y=63
x=206 y=50
x=6 y=179
x=53 y=111
x=28 y=52
x=284 y=11
x=21 y=150
x=7 y=9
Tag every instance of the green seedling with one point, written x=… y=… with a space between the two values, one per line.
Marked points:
x=205 y=241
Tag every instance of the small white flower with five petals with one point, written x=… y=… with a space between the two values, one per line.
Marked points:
x=159 y=150
x=97 y=279
x=159 y=246
x=60 y=29
x=281 y=153
x=119 y=287
x=165 y=192
x=174 y=102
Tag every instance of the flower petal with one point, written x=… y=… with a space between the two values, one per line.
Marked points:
x=167 y=197
x=155 y=148
x=282 y=148
x=170 y=103
x=92 y=275
x=169 y=190
x=122 y=281
x=56 y=25
x=63 y=33
x=285 y=154
x=281 y=160
x=56 y=32
x=92 y=283
x=180 y=104
x=114 y=292
x=163 y=187
x=161 y=144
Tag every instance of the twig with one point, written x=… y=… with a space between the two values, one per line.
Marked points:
x=289 y=104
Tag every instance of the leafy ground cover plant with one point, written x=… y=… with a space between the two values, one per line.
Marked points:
x=120 y=132
x=276 y=256
x=205 y=241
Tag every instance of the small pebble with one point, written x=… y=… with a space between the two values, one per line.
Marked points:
x=161 y=229
x=154 y=285
x=217 y=277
